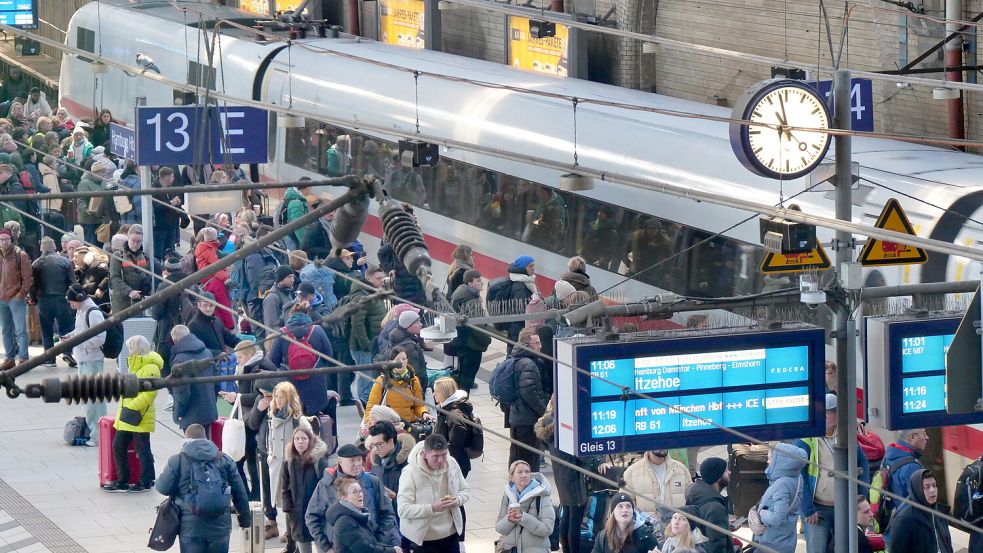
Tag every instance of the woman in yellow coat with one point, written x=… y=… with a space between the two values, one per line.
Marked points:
x=135 y=420
x=399 y=389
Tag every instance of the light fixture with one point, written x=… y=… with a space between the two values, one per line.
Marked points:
x=650 y=48
x=442 y=331
x=945 y=93
x=290 y=121
x=575 y=182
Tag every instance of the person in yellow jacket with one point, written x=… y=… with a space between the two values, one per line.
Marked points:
x=399 y=389
x=658 y=476
x=135 y=420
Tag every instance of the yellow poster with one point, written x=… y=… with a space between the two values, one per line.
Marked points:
x=263 y=6
x=401 y=22
x=549 y=55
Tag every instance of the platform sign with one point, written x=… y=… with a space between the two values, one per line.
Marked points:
x=122 y=141
x=403 y=23
x=19 y=13
x=774 y=263
x=677 y=390
x=861 y=102
x=878 y=253
x=906 y=372
x=195 y=134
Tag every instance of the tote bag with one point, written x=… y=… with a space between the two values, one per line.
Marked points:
x=234 y=433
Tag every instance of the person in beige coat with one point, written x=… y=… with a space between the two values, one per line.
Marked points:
x=526 y=517
x=431 y=491
x=659 y=476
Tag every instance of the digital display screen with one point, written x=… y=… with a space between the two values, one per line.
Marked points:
x=680 y=392
x=19 y=13
x=924 y=356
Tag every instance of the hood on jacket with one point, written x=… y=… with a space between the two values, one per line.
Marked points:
x=189 y=344
x=299 y=326
x=543 y=489
x=578 y=279
x=136 y=363
x=293 y=194
x=416 y=460
x=343 y=509
x=315 y=452
x=700 y=492
x=457 y=396
x=200 y=450
x=916 y=491
x=404 y=445
x=898 y=450
x=786 y=460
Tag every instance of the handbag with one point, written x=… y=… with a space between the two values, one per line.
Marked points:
x=234 y=433
x=104 y=233
x=754 y=521
x=129 y=416
x=166 y=527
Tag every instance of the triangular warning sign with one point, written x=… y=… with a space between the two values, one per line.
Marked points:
x=795 y=262
x=881 y=252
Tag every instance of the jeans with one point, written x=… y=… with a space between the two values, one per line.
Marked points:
x=165 y=239
x=570 y=518
x=363 y=386
x=13 y=324
x=121 y=442
x=93 y=410
x=819 y=535
x=526 y=435
x=215 y=544
x=54 y=310
x=450 y=544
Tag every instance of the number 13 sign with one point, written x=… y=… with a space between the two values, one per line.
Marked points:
x=194 y=135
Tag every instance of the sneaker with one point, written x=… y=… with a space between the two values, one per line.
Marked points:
x=138 y=488
x=115 y=487
x=70 y=360
x=49 y=364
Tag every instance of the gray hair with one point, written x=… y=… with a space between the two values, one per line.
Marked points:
x=179 y=331
x=904 y=434
x=138 y=345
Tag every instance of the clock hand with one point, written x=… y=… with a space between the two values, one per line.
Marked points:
x=784 y=119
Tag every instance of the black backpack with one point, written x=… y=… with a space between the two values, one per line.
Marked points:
x=968 y=504
x=113 y=345
x=499 y=290
x=502 y=385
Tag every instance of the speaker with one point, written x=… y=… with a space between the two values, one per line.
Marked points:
x=424 y=153
x=26 y=47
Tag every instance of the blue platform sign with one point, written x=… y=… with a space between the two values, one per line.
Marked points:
x=861 y=102
x=122 y=141
x=679 y=391
x=195 y=134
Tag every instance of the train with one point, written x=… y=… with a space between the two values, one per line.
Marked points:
x=506 y=208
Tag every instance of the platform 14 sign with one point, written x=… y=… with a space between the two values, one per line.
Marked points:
x=861 y=102
x=195 y=134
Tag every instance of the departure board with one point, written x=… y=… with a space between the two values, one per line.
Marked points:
x=677 y=392
x=19 y=13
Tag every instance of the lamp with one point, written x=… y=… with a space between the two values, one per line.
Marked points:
x=575 y=182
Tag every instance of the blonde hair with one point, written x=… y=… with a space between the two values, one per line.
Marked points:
x=294 y=408
x=515 y=465
x=246 y=346
x=446 y=386
x=686 y=538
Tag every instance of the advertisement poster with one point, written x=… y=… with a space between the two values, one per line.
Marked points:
x=401 y=22
x=263 y=6
x=543 y=55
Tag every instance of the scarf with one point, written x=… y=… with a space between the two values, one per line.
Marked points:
x=533 y=485
x=528 y=280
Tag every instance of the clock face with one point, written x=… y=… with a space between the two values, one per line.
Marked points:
x=778 y=151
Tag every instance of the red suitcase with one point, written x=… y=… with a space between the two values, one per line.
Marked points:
x=216 y=432
x=107 y=466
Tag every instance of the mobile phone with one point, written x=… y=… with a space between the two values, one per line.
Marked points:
x=738 y=522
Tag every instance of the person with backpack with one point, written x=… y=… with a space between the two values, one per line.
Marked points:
x=88 y=354
x=256 y=276
x=342 y=262
x=399 y=389
x=901 y=459
x=128 y=281
x=204 y=484
x=16 y=280
x=917 y=531
x=470 y=342
x=704 y=495
x=317 y=235
x=313 y=389
x=170 y=312
x=206 y=325
x=526 y=516
x=967 y=505
x=518 y=384
x=513 y=292
x=294 y=206
x=279 y=295
x=364 y=326
x=407 y=336
x=92 y=272
x=463 y=257
x=779 y=506
x=193 y=403
x=454 y=426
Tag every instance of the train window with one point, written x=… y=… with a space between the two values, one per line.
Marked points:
x=85 y=39
x=201 y=75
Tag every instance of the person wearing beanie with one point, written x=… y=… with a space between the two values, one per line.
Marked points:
x=519 y=291
x=170 y=312
x=88 y=354
x=382 y=518
x=407 y=335
x=470 y=343
x=562 y=290
x=704 y=495
x=16 y=280
x=278 y=296
x=618 y=535
x=128 y=280
x=209 y=327
x=52 y=276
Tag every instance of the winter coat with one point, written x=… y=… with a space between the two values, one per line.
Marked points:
x=52 y=274
x=455 y=428
x=168 y=217
x=313 y=390
x=455 y=276
x=252 y=269
x=406 y=398
x=640 y=478
x=914 y=530
x=168 y=312
x=419 y=487
x=296 y=208
x=713 y=509
x=94 y=279
x=212 y=332
x=532 y=533
x=317 y=240
x=902 y=475
x=467 y=301
x=279 y=434
x=520 y=293
x=83 y=215
x=382 y=518
x=388 y=469
x=351 y=532
x=366 y=323
x=342 y=280
x=16 y=274
x=87 y=316
x=580 y=282
x=135 y=215
x=50 y=179
x=193 y=403
x=143 y=366
x=273 y=304
x=414 y=352
x=699 y=541
x=206 y=253
x=176 y=482
x=406 y=284
x=532 y=401
x=41 y=106
x=125 y=276
x=779 y=506
x=601 y=545
x=217 y=288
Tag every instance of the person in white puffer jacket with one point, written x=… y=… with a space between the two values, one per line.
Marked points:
x=527 y=516
x=88 y=354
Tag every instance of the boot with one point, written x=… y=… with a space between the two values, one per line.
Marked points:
x=7 y=365
x=272 y=530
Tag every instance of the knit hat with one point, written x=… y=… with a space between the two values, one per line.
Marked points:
x=523 y=261
x=282 y=272
x=76 y=293
x=401 y=308
x=406 y=319
x=306 y=289
x=47 y=244
x=7 y=232
x=207 y=297
x=384 y=413
x=622 y=498
x=831 y=402
x=712 y=469
x=563 y=289
x=135 y=228
x=349 y=450
x=172 y=264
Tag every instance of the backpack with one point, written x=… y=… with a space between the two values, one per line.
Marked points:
x=968 y=503
x=883 y=505
x=499 y=290
x=188 y=263
x=502 y=384
x=298 y=357
x=113 y=345
x=77 y=431
x=210 y=494
x=267 y=278
x=476 y=440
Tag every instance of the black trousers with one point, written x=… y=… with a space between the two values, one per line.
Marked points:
x=450 y=544
x=469 y=360
x=526 y=435
x=141 y=441
x=570 y=519
x=264 y=469
x=54 y=310
x=250 y=465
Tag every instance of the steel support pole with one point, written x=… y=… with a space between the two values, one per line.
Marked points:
x=147 y=215
x=844 y=326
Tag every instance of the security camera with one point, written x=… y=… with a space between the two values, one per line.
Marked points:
x=810 y=292
x=147 y=63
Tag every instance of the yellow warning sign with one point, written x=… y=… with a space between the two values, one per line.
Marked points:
x=881 y=252
x=795 y=262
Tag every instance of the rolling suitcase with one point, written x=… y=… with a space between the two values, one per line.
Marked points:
x=747 y=476
x=216 y=432
x=254 y=535
x=107 y=466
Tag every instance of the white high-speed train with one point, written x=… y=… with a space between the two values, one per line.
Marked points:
x=336 y=77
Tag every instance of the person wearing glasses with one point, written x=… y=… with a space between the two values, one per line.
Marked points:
x=903 y=459
x=350 y=520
